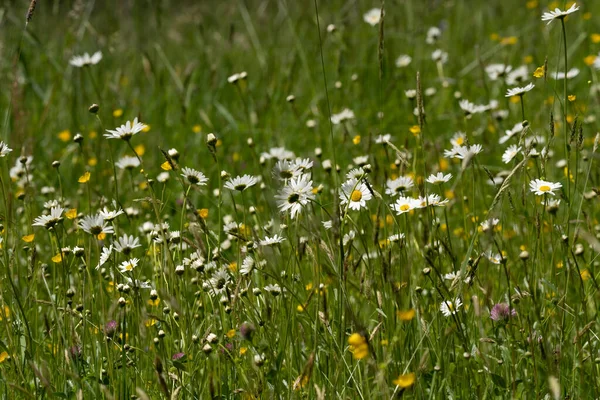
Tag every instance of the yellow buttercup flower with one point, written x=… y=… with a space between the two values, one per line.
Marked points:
x=85 y=177
x=28 y=238
x=71 y=214
x=64 y=136
x=405 y=381
x=117 y=113
x=166 y=166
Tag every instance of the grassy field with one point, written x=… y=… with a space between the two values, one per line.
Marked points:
x=299 y=199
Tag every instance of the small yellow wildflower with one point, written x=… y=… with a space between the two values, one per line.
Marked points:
x=356 y=139
x=118 y=112
x=405 y=381
x=64 y=136
x=85 y=177
x=166 y=166
x=28 y=238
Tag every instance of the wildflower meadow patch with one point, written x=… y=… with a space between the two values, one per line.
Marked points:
x=299 y=199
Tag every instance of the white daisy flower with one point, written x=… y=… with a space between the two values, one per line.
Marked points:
x=433 y=34
x=218 y=282
x=295 y=195
x=95 y=225
x=518 y=128
x=345 y=114
x=373 y=16
x=110 y=215
x=439 y=56
x=270 y=241
x=496 y=71
x=49 y=221
x=572 y=73
x=383 y=139
x=355 y=173
x=489 y=224
x=278 y=153
x=403 y=61
x=241 y=183
x=194 y=177
x=128 y=163
x=274 y=289
x=106 y=252
x=433 y=200
x=517 y=75
x=405 y=204
x=162 y=177
x=558 y=14
x=126 y=131
x=4 y=149
x=410 y=93
x=129 y=265
x=449 y=308
x=494 y=257
x=355 y=194
x=286 y=169
x=510 y=153
x=519 y=91
x=464 y=152
x=247 y=265
x=126 y=244
x=541 y=187
x=327 y=224
x=86 y=59
x=439 y=178
x=396 y=237
x=458 y=139
x=361 y=160
x=399 y=185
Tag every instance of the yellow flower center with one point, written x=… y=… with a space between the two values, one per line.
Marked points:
x=450 y=306
x=544 y=188
x=356 y=195
x=128 y=267
x=459 y=141
x=404 y=207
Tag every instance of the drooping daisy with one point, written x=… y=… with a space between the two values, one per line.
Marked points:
x=405 y=204
x=274 y=289
x=110 y=215
x=495 y=71
x=572 y=73
x=494 y=257
x=373 y=16
x=128 y=265
x=95 y=225
x=383 y=139
x=127 y=163
x=558 y=14
x=303 y=164
x=49 y=221
x=433 y=34
x=4 y=149
x=541 y=187
x=126 y=244
x=439 y=178
x=439 y=56
x=286 y=169
x=399 y=185
x=449 y=308
x=355 y=194
x=518 y=128
x=510 y=153
x=85 y=59
x=270 y=241
x=194 y=177
x=241 y=183
x=295 y=195
x=519 y=91
x=433 y=200
x=355 y=173
x=106 y=252
x=126 y=131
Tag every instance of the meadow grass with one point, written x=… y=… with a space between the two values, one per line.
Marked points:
x=263 y=199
